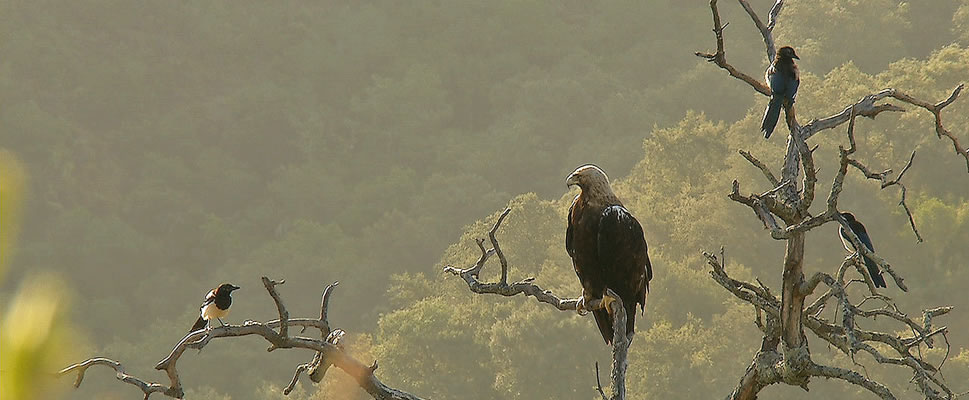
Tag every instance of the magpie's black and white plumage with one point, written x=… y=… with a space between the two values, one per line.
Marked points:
x=607 y=247
x=216 y=305
x=783 y=78
x=859 y=229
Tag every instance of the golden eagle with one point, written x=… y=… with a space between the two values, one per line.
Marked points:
x=607 y=247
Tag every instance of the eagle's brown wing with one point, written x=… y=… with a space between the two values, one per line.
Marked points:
x=625 y=265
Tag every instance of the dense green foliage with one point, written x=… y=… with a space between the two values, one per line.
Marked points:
x=173 y=146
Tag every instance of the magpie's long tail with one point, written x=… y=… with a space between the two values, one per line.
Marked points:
x=199 y=324
x=876 y=275
x=771 y=115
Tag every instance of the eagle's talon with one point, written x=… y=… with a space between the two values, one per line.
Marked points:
x=607 y=303
x=580 y=307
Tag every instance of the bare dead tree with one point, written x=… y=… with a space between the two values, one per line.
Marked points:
x=329 y=351
x=784 y=356
x=620 y=343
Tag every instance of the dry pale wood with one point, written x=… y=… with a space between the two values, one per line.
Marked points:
x=620 y=342
x=784 y=356
x=330 y=352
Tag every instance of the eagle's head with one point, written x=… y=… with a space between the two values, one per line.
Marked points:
x=587 y=177
x=848 y=217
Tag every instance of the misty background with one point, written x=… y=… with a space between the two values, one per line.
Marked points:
x=172 y=146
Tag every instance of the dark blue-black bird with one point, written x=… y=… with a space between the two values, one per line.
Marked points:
x=783 y=78
x=859 y=230
x=216 y=305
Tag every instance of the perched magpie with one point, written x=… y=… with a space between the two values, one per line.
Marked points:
x=783 y=78
x=859 y=230
x=216 y=305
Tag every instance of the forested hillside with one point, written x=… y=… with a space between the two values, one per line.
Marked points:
x=172 y=146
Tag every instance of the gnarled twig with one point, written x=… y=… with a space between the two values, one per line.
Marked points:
x=329 y=350
x=620 y=343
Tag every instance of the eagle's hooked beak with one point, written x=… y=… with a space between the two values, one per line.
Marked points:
x=572 y=180
x=234 y=287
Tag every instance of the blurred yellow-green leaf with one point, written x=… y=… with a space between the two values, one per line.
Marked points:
x=36 y=337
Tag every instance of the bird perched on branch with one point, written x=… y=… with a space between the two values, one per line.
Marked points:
x=859 y=229
x=608 y=249
x=216 y=305
x=783 y=78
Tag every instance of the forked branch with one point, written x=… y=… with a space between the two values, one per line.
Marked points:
x=868 y=106
x=620 y=343
x=720 y=56
x=787 y=318
x=329 y=350
x=524 y=286
x=771 y=365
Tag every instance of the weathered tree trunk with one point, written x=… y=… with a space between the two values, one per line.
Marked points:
x=792 y=302
x=787 y=318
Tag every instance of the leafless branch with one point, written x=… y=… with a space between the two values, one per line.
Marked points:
x=525 y=286
x=865 y=107
x=283 y=314
x=620 y=346
x=868 y=106
x=758 y=296
x=760 y=165
x=146 y=388
x=885 y=182
x=810 y=176
x=292 y=384
x=767 y=31
x=497 y=248
x=771 y=366
x=318 y=366
x=852 y=377
x=720 y=58
x=329 y=349
x=788 y=317
x=325 y=305
x=602 y=394
x=936 y=110
x=765 y=207
x=620 y=342
x=901 y=201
